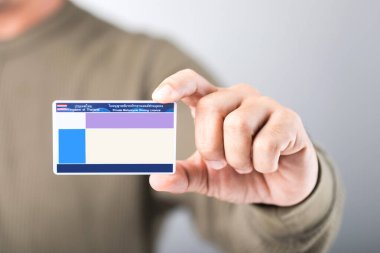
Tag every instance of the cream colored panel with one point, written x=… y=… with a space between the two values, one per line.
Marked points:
x=125 y=146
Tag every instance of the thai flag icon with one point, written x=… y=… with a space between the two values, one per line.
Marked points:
x=61 y=105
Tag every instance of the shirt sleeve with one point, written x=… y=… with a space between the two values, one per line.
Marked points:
x=310 y=226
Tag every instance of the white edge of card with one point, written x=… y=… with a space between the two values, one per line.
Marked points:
x=55 y=140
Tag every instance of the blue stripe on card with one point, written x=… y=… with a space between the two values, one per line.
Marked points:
x=115 y=168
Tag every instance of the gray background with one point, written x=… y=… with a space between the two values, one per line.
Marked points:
x=320 y=58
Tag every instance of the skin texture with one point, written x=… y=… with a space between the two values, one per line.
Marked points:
x=17 y=16
x=250 y=149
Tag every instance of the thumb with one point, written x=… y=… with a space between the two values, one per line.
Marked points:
x=190 y=176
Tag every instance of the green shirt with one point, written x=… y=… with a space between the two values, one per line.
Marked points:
x=74 y=55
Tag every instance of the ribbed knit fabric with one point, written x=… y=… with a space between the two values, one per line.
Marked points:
x=74 y=55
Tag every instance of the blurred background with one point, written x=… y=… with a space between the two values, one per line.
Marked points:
x=321 y=58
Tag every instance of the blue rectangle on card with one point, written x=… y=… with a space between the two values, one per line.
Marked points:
x=72 y=145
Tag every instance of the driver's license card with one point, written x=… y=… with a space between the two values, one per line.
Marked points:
x=113 y=137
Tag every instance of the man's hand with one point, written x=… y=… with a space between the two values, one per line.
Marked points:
x=250 y=149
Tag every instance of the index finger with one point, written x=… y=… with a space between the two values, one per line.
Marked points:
x=185 y=85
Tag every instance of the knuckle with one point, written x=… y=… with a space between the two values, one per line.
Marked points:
x=171 y=81
x=288 y=113
x=289 y=116
x=275 y=132
x=277 y=135
x=267 y=100
x=267 y=144
x=251 y=101
x=236 y=123
x=247 y=88
x=243 y=86
x=206 y=103
x=188 y=72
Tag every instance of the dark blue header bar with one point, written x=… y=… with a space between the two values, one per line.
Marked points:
x=115 y=168
x=114 y=107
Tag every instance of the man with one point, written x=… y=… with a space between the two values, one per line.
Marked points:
x=253 y=181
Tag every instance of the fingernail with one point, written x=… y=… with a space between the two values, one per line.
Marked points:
x=245 y=170
x=163 y=92
x=216 y=165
